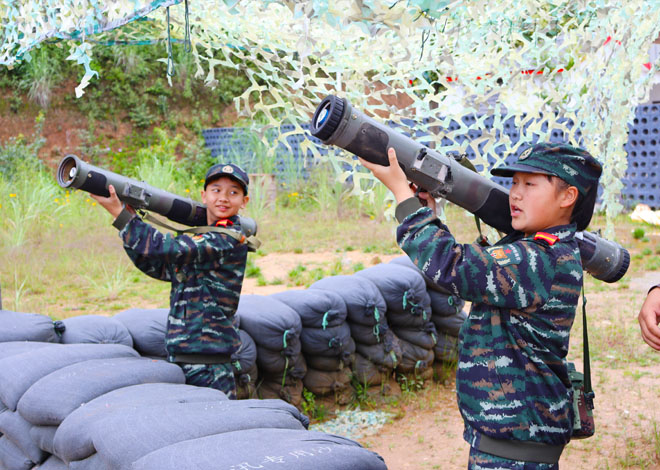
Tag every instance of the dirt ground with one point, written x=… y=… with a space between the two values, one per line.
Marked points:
x=428 y=433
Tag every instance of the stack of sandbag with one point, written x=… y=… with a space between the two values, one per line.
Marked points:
x=325 y=339
x=275 y=328
x=447 y=314
x=377 y=349
x=21 y=376
x=148 y=328
x=408 y=314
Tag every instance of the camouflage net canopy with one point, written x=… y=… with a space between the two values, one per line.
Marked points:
x=580 y=66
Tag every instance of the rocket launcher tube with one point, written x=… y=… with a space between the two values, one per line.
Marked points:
x=336 y=122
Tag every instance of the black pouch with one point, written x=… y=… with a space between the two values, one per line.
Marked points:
x=583 y=405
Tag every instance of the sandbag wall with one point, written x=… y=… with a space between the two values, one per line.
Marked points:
x=377 y=352
x=104 y=406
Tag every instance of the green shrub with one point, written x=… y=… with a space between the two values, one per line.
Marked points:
x=638 y=233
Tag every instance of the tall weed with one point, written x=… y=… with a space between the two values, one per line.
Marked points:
x=377 y=201
x=41 y=74
x=327 y=191
x=27 y=193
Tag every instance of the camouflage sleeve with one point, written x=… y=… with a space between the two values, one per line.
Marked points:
x=517 y=275
x=156 y=253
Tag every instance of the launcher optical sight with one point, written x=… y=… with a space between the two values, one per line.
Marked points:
x=336 y=122
x=72 y=172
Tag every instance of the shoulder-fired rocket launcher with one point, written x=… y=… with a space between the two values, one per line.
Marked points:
x=75 y=173
x=336 y=122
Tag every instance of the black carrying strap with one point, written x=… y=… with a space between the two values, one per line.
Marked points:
x=588 y=390
x=200 y=358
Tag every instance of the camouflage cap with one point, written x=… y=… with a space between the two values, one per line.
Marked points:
x=228 y=169
x=574 y=165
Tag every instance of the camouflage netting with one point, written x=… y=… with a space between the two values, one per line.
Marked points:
x=542 y=64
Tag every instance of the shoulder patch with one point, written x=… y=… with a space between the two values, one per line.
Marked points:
x=546 y=237
x=505 y=255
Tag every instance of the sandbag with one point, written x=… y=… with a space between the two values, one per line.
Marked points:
x=388 y=353
x=323 y=383
x=414 y=358
x=403 y=289
x=18 y=326
x=407 y=320
x=148 y=328
x=364 y=302
x=43 y=437
x=11 y=457
x=446 y=349
x=19 y=372
x=329 y=364
x=271 y=324
x=246 y=356
x=296 y=368
x=95 y=329
x=450 y=325
x=330 y=342
x=445 y=305
x=317 y=308
x=12 y=348
x=73 y=437
x=425 y=336
x=274 y=362
x=126 y=435
x=53 y=463
x=17 y=430
x=367 y=373
x=290 y=449
x=368 y=334
x=51 y=399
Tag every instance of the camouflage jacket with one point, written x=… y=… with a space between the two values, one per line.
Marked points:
x=512 y=380
x=206 y=272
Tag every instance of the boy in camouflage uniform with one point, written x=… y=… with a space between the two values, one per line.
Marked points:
x=512 y=382
x=206 y=272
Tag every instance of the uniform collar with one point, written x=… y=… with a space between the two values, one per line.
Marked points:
x=564 y=233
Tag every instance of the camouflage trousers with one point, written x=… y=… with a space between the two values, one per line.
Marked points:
x=218 y=376
x=481 y=461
